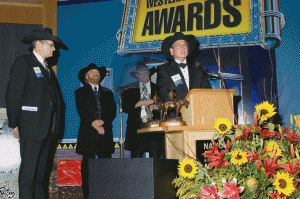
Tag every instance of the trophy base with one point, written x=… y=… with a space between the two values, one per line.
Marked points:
x=177 y=121
x=151 y=124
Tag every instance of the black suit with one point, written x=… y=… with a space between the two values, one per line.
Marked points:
x=165 y=82
x=138 y=144
x=89 y=142
x=33 y=105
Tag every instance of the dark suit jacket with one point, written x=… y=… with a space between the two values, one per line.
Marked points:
x=89 y=141
x=165 y=82
x=25 y=89
x=134 y=122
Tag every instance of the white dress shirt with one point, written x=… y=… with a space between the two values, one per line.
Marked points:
x=185 y=72
x=143 y=108
x=40 y=59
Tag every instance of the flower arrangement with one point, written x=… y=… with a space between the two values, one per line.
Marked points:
x=260 y=160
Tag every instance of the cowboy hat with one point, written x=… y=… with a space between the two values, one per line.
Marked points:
x=168 y=42
x=139 y=67
x=81 y=75
x=44 y=34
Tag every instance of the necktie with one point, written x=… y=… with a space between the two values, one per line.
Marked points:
x=46 y=65
x=144 y=93
x=182 y=65
x=95 y=89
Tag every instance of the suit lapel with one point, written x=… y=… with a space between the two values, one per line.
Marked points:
x=36 y=63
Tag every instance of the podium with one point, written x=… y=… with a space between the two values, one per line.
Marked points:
x=206 y=105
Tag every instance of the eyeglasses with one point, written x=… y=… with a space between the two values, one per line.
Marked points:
x=180 y=46
x=50 y=44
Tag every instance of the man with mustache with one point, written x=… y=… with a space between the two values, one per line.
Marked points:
x=97 y=110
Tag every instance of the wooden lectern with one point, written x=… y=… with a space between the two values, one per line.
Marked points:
x=206 y=105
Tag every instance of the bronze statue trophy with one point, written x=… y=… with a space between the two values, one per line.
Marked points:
x=173 y=103
x=156 y=106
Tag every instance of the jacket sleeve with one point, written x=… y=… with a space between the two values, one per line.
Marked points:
x=110 y=108
x=204 y=81
x=85 y=107
x=129 y=99
x=163 y=82
x=15 y=90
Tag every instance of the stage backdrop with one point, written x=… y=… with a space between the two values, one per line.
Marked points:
x=90 y=30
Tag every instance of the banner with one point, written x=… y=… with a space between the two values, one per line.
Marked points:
x=215 y=23
x=157 y=19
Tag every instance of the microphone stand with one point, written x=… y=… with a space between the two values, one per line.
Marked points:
x=120 y=90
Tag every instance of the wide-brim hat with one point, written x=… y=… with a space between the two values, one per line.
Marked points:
x=44 y=34
x=140 y=66
x=102 y=70
x=168 y=41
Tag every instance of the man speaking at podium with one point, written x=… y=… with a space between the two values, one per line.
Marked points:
x=178 y=73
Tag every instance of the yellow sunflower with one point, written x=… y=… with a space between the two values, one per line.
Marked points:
x=187 y=168
x=284 y=183
x=265 y=110
x=238 y=157
x=271 y=147
x=222 y=125
x=297 y=121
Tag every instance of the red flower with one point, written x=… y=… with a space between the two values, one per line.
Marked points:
x=209 y=193
x=270 y=166
x=277 y=196
x=228 y=144
x=265 y=133
x=252 y=156
x=292 y=151
x=244 y=136
x=258 y=165
x=255 y=118
x=292 y=137
x=212 y=151
x=218 y=160
x=231 y=190
x=292 y=168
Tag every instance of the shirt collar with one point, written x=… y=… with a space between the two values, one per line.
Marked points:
x=39 y=57
x=178 y=62
x=147 y=84
x=94 y=86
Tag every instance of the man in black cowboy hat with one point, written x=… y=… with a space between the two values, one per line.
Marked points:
x=97 y=110
x=178 y=73
x=34 y=104
x=135 y=98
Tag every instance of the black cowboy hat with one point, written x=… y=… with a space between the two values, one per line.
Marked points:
x=168 y=41
x=102 y=70
x=44 y=34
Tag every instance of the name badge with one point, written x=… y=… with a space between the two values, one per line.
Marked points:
x=38 y=72
x=177 y=79
x=29 y=108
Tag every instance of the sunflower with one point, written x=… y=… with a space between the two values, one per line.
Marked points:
x=271 y=147
x=284 y=183
x=297 y=121
x=222 y=125
x=238 y=157
x=265 y=110
x=187 y=168
x=251 y=183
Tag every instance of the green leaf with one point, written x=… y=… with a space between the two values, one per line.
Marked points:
x=271 y=127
